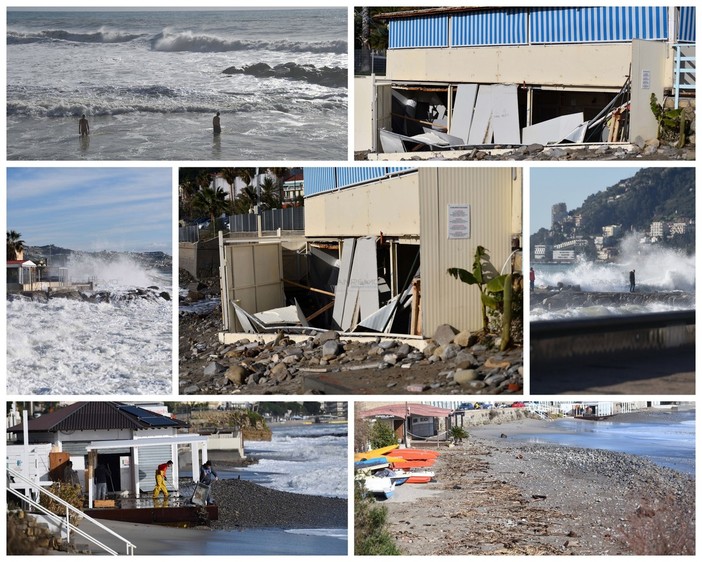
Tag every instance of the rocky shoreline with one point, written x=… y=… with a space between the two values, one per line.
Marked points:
x=557 y=299
x=497 y=497
x=130 y=295
x=650 y=150
x=243 y=504
x=449 y=363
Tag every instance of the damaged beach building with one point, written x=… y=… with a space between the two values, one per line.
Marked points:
x=465 y=77
x=377 y=244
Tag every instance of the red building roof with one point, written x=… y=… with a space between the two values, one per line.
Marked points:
x=402 y=410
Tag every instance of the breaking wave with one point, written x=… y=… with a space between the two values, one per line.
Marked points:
x=168 y=41
x=657 y=269
x=110 y=271
x=163 y=104
x=100 y=36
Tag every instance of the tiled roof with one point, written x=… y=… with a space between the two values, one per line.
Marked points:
x=98 y=415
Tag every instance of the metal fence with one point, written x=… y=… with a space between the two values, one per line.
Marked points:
x=188 y=234
x=292 y=218
x=367 y=62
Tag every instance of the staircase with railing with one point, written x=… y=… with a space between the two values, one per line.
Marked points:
x=685 y=72
x=64 y=521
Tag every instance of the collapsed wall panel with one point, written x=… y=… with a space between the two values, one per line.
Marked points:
x=480 y=127
x=505 y=114
x=463 y=111
x=553 y=130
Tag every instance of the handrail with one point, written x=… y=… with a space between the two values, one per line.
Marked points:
x=69 y=508
x=679 y=71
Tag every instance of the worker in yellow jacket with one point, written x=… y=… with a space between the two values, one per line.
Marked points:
x=161 y=479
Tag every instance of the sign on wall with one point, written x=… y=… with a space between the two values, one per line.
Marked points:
x=458 y=222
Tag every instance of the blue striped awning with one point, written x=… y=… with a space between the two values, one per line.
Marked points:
x=321 y=180
x=590 y=24
x=687 y=31
x=494 y=27
x=425 y=31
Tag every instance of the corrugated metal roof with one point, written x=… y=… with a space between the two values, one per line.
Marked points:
x=97 y=415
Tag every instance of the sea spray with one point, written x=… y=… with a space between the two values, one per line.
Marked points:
x=72 y=346
x=109 y=271
x=309 y=459
x=657 y=269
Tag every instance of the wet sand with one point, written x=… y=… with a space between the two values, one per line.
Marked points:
x=494 y=496
x=159 y=540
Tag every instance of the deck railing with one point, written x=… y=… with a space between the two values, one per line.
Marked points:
x=64 y=522
x=685 y=72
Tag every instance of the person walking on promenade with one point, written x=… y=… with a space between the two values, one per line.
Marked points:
x=632 y=281
x=532 y=279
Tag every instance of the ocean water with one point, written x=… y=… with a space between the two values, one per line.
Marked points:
x=72 y=347
x=657 y=270
x=150 y=82
x=303 y=459
x=667 y=439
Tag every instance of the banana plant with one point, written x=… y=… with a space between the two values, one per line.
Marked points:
x=490 y=283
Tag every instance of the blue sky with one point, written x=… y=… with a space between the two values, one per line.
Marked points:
x=92 y=209
x=569 y=185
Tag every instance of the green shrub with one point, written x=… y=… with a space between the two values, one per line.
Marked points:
x=382 y=435
x=371 y=536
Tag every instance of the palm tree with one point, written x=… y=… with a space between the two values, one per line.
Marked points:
x=269 y=194
x=245 y=200
x=229 y=175
x=365 y=35
x=246 y=175
x=281 y=174
x=211 y=201
x=15 y=245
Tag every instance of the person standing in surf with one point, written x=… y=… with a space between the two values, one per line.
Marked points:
x=216 y=128
x=632 y=281
x=83 y=126
x=532 y=279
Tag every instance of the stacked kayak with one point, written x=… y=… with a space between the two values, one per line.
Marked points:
x=381 y=470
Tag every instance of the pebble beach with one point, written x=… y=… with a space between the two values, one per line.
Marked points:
x=496 y=495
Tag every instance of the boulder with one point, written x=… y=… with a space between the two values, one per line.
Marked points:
x=465 y=376
x=444 y=334
x=280 y=372
x=331 y=349
x=449 y=352
x=237 y=374
x=213 y=368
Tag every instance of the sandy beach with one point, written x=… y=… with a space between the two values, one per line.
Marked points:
x=495 y=495
x=160 y=540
